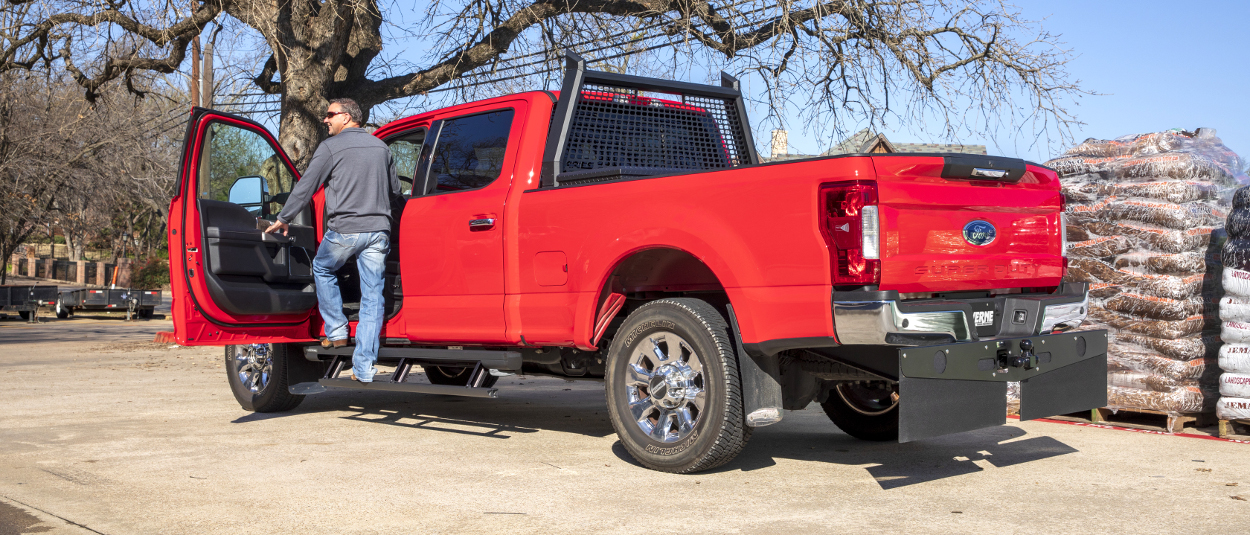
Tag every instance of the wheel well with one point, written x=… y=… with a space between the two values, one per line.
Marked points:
x=658 y=273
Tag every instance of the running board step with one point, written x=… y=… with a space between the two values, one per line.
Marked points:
x=498 y=360
x=415 y=388
x=397 y=381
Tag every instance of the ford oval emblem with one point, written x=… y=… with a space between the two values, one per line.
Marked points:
x=979 y=232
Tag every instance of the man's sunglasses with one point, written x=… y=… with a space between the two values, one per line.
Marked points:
x=331 y=114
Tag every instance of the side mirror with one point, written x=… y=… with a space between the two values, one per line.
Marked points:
x=248 y=192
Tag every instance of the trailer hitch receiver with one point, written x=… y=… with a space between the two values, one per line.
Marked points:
x=1027 y=359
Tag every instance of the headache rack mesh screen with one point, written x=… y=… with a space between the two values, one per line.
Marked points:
x=616 y=127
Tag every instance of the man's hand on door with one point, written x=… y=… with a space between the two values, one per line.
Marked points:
x=276 y=226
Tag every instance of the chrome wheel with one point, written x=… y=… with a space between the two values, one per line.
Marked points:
x=870 y=400
x=665 y=387
x=253 y=363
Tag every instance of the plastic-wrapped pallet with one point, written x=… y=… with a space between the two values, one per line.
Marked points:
x=1234 y=357
x=1145 y=225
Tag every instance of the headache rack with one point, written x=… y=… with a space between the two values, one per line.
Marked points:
x=609 y=126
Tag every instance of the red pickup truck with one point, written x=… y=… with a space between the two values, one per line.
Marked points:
x=625 y=230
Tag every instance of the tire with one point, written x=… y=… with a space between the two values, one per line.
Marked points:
x=146 y=313
x=62 y=312
x=680 y=431
x=24 y=314
x=862 y=412
x=260 y=384
x=454 y=376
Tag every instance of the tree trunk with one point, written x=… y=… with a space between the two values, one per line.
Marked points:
x=300 y=130
x=73 y=244
x=321 y=52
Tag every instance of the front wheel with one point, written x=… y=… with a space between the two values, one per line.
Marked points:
x=865 y=411
x=258 y=376
x=673 y=390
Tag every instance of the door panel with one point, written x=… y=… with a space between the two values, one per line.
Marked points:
x=453 y=263
x=252 y=272
x=232 y=283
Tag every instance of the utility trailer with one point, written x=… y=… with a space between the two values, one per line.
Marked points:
x=136 y=303
x=26 y=299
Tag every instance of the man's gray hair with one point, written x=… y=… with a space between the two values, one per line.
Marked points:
x=352 y=108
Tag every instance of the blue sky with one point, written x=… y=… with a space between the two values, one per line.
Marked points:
x=1157 y=65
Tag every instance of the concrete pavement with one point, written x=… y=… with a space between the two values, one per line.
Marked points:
x=105 y=432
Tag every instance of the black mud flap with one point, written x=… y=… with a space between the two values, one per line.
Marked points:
x=948 y=406
x=1075 y=387
x=959 y=387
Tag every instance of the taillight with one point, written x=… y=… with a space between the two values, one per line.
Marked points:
x=1063 y=232
x=852 y=229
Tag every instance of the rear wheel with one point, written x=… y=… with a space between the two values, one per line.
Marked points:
x=258 y=376
x=674 y=395
x=454 y=376
x=865 y=411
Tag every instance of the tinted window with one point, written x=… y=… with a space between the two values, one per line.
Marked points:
x=406 y=151
x=470 y=150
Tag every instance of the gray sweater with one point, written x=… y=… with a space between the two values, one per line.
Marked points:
x=360 y=178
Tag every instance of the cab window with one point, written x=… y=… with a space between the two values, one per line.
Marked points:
x=469 y=152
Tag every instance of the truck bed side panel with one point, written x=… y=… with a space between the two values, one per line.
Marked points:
x=756 y=228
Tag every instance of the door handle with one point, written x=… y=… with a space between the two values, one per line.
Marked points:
x=481 y=224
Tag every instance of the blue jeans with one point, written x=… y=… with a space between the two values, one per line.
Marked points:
x=335 y=250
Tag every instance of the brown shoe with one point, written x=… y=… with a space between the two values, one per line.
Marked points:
x=327 y=343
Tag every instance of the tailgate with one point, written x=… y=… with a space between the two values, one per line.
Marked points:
x=958 y=234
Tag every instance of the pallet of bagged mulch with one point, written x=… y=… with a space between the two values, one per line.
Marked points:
x=1145 y=225
x=1234 y=357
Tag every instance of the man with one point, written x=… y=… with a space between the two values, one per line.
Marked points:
x=359 y=176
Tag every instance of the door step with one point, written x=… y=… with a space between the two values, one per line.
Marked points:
x=499 y=360
x=415 y=388
x=397 y=381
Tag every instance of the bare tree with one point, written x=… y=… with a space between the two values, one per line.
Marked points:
x=36 y=162
x=973 y=64
x=80 y=168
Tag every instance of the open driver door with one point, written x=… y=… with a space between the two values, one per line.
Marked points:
x=231 y=282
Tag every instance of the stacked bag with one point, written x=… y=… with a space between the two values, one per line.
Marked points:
x=1234 y=357
x=1144 y=227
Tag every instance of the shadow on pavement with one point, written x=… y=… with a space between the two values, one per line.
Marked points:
x=536 y=407
x=895 y=465
x=520 y=412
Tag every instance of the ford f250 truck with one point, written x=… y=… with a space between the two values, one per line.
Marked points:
x=625 y=230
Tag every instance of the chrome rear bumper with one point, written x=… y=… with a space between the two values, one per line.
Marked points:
x=881 y=318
